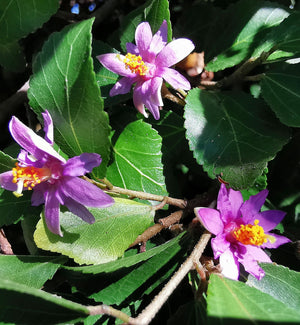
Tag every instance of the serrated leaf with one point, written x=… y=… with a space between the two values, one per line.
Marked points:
x=12 y=57
x=137 y=164
x=124 y=262
x=280 y=88
x=142 y=273
x=19 y=18
x=64 y=83
x=24 y=305
x=279 y=282
x=228 y=299
x=153 y=11
x=232 y=133
x=114 y=230
x=241 y=31
x=32 y=271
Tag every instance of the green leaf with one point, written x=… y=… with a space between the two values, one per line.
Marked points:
x=114 y=230
x=32 y=271
x=279 y=282
x=286 y=35
x=24 y=305
x=153 y=11
x=19 y=18
x=64 y=83
x=124 y=262
x=280 y=88
x=234 y=300
x=232 y=133
x=137 y=164
x=240 y=32
x=141 y=273
x=13 y=209
x=6 y=162
x=12 y=57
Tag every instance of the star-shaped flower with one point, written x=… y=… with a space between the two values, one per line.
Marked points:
x=54 y=180
x=146 y=65
x=241 y=231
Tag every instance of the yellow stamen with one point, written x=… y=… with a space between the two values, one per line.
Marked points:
x=252 y=234
x=28 y=177
x=135 y=64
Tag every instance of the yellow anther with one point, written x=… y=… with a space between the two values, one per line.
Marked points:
x=135 y=64
x=252 y=234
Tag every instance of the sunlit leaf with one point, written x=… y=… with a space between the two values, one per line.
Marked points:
x=114 y=230
x=64 y=83
x=232 y=300
x=232 y=133
x=137 y=162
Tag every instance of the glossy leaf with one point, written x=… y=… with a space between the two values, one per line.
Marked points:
x=232 y=133
x=32 y=271
x=21 y=304
x=114 y=230
x=280 y=88
x=6 y=162
x=153 y=11
x=19 y=18
x=64 y=83
x=279 y=282
x=127 y=285
x=137 y=160
x=235 y=300
x=240 y=31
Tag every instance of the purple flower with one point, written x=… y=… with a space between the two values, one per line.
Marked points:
x=146 y=65
x=54 y=180
x=241 y=231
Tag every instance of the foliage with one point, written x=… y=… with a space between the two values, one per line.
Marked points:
x=239 y=124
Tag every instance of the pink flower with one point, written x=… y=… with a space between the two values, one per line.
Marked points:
x=54 y=180
x=241 y=231
x=146 y=65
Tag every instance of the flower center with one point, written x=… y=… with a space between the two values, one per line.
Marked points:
x=252 y=234
x=28 y=177
x=135 y=64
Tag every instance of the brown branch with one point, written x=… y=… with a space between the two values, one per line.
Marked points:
x=151 y=310
x=5 y=246
x=107 y=310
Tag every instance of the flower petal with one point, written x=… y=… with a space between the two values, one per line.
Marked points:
x=155 y=91
x=132 y=48
x=219 y=245
x=159 y=39
x=122 y=86
x=6 y=181
x=229 y=209
x=48 y=127
x=279 y=240
x=143 y=37
x=229 y=265
x=52 y=212
x=252 y=206
x=174 y=52
x=80 y=165
x=39 y=193
x=175 y=79
x=138 y=99
x=269 y=219
x=85 y=193
x=79 y=210
x=114 y=62
x=210 y=219
x=30 y=141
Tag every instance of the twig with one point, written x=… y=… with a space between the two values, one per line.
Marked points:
x=5 y=246
x=109 y=188
x=151 y=310
x=107 y=310
x=155 y=229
